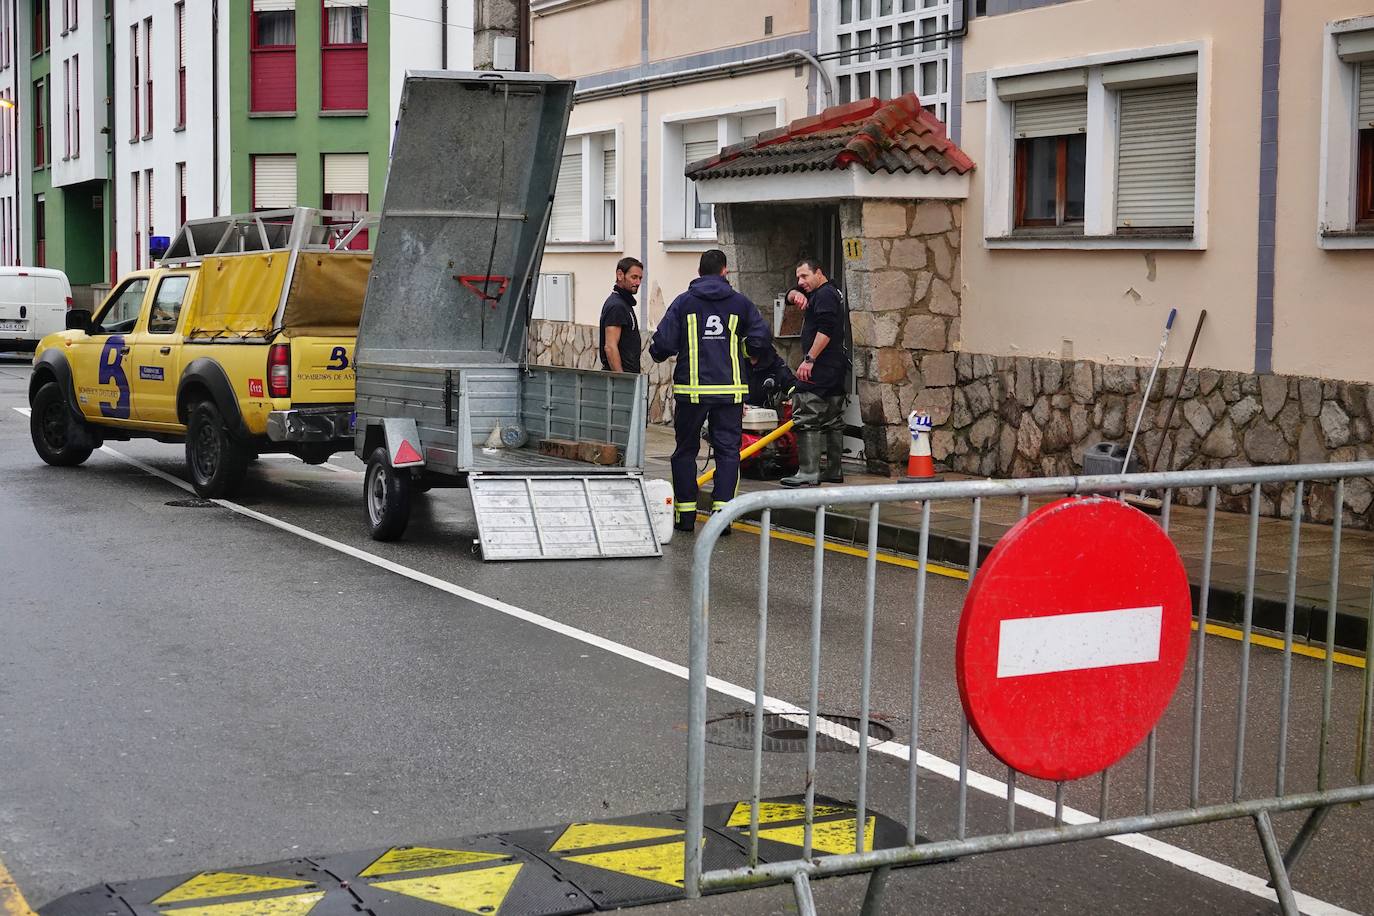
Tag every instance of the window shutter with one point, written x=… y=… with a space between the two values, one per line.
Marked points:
x=1051 y=117
x=334 y=4
x=566 y=222
x=1157 y=157
x=698 y=150
x=273 y=6
x=345 y=173
x=274 y=182
x=1366 y=115
x=181 y=35
x=608 y=174
x=755 y=124
x=699 y=141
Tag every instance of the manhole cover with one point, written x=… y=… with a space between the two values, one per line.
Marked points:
x=787 y=734
x=193 y=503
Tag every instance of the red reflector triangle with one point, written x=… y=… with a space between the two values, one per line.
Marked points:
x=406 y=454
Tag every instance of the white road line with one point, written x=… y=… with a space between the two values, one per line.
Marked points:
x=1200 y=865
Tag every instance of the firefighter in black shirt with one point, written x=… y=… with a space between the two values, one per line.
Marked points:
x=822 y=377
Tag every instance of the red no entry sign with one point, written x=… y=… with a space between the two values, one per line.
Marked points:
x=1073 y=638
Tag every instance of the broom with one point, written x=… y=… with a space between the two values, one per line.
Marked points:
x=1143 y=501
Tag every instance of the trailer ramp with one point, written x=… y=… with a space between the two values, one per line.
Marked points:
x=563 y=516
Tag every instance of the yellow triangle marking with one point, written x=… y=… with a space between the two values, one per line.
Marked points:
x=480 y=890
x=292 y=905
x=588 y=836
x=226 y=884
x=662 y=863
x=836 y=837
x=420 y=858
x=772 y=812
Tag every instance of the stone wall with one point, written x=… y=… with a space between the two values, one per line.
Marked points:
x=574 y=346
x=902 y=271
x=1025 y=417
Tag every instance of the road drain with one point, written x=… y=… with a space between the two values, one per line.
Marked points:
x=782 y=735
x=193 y=503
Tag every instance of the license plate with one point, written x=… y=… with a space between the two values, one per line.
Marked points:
x=13 y=325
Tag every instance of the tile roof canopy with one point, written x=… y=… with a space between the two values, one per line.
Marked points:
x=896 y=136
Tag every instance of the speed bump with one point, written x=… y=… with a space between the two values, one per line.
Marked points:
x=582 y=867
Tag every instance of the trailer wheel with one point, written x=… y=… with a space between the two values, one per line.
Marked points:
x=387 y=494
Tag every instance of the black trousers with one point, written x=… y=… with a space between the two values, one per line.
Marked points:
x=725 y=424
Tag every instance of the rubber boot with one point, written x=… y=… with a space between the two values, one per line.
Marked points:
x=808 y=461
x=834 y=456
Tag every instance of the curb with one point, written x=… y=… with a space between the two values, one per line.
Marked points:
x=1225 y=605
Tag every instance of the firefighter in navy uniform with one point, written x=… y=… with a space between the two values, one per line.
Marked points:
x=711 y=329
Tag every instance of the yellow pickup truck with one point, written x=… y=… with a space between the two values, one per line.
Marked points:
x=243 y=350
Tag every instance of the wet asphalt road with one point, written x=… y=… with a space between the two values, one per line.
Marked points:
x=189 y=688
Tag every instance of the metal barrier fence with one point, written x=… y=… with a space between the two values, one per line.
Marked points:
x=1319 y=802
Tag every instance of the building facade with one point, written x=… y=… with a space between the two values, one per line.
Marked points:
x=214 y=107
x=1131 y=156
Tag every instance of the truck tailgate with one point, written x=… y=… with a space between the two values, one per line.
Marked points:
x=322 y=370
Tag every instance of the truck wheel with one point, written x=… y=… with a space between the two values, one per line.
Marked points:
x=387 y=495
x=216 y=460
x=59 y=439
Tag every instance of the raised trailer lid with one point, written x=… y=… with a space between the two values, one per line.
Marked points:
x=468 y=197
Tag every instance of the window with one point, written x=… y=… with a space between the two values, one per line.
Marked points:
x=691 y=137
x=41 y=20
x=274 y=182
x=181 y=193
x=343 y=55
x=147 y=78
x=584 y=202
x=120 y=316
x=345 y=188
x=1106 y=151
x=135 y=81
x=1051 y=149
x=136 y=222
x=181 y=64
x=699 y=141
x=40 y=231
x=874 y=49
x=67 y=107
x=76 y=106
x=272 y=75
x=74 y=15
x=162 y=317
x=148 y=210
x=41 y=149
x=1345 y=202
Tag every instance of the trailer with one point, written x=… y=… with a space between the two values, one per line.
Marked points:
x=553 y=457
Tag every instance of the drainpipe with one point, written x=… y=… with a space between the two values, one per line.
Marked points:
x=701 y=74
x=443 y=34
x=522 y=36
x=214 y=103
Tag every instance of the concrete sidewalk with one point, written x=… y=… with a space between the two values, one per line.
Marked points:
x=900 y=524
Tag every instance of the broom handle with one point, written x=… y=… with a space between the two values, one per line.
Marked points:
x=1178 y=389
x=1149 y=386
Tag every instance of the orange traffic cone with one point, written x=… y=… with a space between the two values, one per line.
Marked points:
x=920 y=465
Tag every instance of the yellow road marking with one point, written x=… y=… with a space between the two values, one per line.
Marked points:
x=835 y=837
x=225 y=884
x=12 y=902
x=662 y=863
x=292 y=905
x=481 y=890
x=420 y=858
x=588 y=836
x=1268 y=642
x=773 y=812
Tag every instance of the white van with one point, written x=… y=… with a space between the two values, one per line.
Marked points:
x=33 y=304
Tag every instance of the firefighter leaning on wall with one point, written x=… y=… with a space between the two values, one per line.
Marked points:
x=709 y=328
